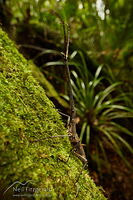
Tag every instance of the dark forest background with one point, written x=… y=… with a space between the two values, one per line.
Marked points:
x=100 y=59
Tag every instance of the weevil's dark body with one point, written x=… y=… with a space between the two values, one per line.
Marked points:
x=75 y=141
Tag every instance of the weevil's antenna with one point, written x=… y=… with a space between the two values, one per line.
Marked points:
x=66 y=47
x=66 y=33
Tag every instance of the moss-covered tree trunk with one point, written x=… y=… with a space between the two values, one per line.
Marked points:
x=34 y=170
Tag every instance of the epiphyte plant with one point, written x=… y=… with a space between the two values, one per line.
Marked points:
x=102 y=112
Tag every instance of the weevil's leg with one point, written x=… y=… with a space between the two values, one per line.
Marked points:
x=77 y=192
x=46 y=138
x=82 y=158
x=68 y=120
x=69 y=155
x=84 y=166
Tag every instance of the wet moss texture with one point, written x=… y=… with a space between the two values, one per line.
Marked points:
x=26 y=114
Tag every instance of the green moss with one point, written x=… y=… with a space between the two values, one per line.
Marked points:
x=26 y=114
x=46 y=84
